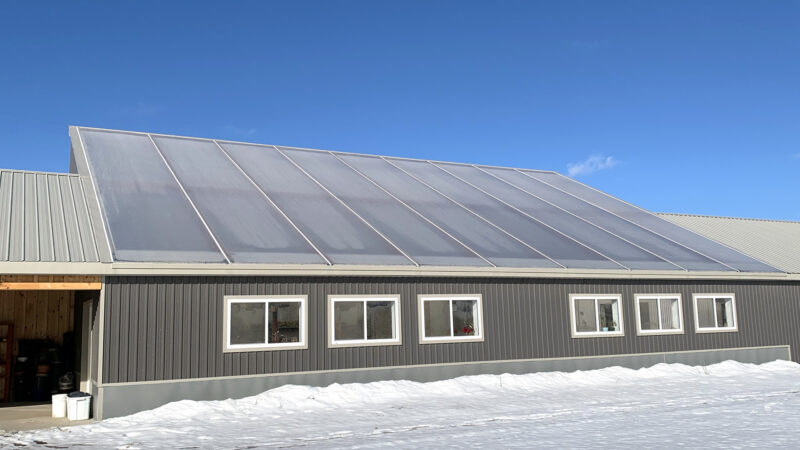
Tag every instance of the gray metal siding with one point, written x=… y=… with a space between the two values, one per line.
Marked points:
x=45 y=217
x=163 y=328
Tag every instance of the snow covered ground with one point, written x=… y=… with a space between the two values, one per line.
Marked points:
x=723 y=405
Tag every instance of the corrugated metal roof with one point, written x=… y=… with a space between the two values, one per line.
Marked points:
x=44 y=217
x=777 y=243
x=174 y=199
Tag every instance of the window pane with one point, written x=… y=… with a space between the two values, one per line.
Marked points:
x=670 y=314
x=348 y=321
x=380 y=320
x=464 y=318
x=608 y=309
x=585 y=316
x=648 y=314
x=705 y=312
x=284 y=322
x=437 y=318
x=724 y=312
x=247 y=323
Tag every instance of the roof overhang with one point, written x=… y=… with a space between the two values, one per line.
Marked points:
x=158 y=269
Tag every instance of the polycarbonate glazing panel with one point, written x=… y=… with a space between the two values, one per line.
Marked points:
x=422 y=241
x=246 y=225
x=480 y=236
x=553 y=244
x=148 y=217
x=619 y=250
x=337 y=232
x=654 y=223
x=662 y=247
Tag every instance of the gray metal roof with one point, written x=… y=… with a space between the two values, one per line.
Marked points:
x=169 y=199
x=44 y=217
x=777 y=243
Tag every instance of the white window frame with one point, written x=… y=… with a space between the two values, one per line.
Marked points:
x=598 y=333
x=715 y=328
x=266 y=346
x=333 y=299
x=658 y=298
x=477 y=337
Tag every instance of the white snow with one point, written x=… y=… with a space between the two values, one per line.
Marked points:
x=723 y=405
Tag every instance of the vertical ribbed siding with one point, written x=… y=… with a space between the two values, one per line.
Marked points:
x=162 y=328
x=45 y=217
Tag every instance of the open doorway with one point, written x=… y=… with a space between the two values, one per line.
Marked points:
x=45 y=341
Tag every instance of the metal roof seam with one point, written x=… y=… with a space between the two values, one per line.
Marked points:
x=180 y=185
x=64 y=222
x=412 y=209
x=51 y=233
x=623 y=218
x=103 y=222
x=285 y=216
x=532 y=218
x=7 y=231
x=22 y=218
x=473 y=212
x=35 y=218
x=89 y=219
x=346 y=206
x=581 y=218
x=77 y=222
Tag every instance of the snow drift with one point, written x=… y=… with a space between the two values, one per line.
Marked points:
x=722 y=405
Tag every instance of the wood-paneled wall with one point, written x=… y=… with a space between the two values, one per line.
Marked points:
x=38 y=314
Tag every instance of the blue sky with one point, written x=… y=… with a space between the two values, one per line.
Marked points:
x=676 y=106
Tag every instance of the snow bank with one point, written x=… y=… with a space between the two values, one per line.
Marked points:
x=668 y=404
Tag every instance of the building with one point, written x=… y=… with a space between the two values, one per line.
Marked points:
x=206 y=269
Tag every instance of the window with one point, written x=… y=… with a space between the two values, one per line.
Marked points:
x=714 y=313
x=659 y=314
x=265 y=323
x=451 y=318
x=364 y=320
x=596 y=315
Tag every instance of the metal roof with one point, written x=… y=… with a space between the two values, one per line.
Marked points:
x=170 y=199
x=44 y=217
x=777 y=243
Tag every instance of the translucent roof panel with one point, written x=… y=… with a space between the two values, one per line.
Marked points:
x=703 y=245
x=546 y=240
x=487 y=240
x=246 y=225
x=424 y=242
x=148 y=217
x=608 y=244
x=665 y=248
x=335 y=230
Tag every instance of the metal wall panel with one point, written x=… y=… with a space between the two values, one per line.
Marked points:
x=161 y=328
x=44 y=217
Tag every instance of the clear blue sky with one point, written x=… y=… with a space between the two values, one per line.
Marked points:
x=680 y=106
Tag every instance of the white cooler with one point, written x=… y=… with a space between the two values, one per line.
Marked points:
x=78 y=407
x=60 y=405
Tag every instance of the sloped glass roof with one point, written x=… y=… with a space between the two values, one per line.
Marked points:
x=174 y=199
